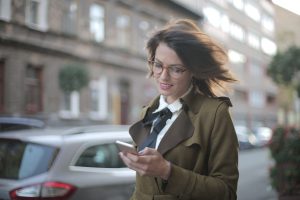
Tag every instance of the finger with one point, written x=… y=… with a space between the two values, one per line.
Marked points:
x=132 y=157
x=132 y=161
x=124 y=158
x=148 y=151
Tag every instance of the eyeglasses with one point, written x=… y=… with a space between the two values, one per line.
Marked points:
x=174 y=71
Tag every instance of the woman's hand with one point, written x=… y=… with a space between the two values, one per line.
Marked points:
x=149 y=162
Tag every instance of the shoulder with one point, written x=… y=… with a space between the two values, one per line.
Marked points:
x=225 y=100
x=197 y=102
x=215 y=102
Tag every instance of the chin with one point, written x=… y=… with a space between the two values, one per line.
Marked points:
x=164 y=93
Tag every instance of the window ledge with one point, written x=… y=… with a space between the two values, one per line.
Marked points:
x=97 y=116
x=64 y=114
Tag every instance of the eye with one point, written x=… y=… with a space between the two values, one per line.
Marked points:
x=157 y=65
x=176 y=69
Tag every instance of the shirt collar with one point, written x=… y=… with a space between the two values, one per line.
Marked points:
x=175 y=106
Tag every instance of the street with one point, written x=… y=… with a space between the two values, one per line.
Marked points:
x=254 y=181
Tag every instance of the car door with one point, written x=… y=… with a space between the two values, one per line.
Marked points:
x=97 y=172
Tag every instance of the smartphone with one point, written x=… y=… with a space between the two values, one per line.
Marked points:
x=126 y=147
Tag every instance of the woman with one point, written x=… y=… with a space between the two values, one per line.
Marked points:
x=195 y=155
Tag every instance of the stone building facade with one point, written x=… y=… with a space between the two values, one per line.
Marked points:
x=38 y=38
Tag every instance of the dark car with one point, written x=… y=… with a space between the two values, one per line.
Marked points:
x=75 y=164
x=19 y=123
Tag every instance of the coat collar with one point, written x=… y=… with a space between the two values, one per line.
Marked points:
x=181 y=129
x=188 y=101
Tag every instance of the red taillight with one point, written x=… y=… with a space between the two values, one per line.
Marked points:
x=43 y=191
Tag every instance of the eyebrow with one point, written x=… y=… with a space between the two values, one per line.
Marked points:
x=157 y=60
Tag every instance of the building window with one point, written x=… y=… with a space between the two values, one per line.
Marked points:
x=237 y=32
x=271 y=99
x=97 y=22
x=253 y=40
x=267 y=23
x=216 y=18
x=144 y=27
x=257 y=99
x=99 y=98
x=33 y=89
x=1 y=85
x=268 y=46
x=36 y=14
x=5 y=10
x=237 y=61
x=236 y=57
x=225 y=23
x=69 y=17
x=70 y=105
x=213 y=16
x=123 y=30
x=239 y=4
x=252 y=11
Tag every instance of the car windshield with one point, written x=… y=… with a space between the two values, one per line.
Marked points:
x=20 y=160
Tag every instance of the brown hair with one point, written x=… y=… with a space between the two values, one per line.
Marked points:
x=204 y=58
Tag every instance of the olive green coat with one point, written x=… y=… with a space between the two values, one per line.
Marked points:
x=203 y=150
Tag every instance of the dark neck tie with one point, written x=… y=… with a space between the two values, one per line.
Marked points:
x=160 y=118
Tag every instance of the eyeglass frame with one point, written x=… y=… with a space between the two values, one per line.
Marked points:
x=171 y=69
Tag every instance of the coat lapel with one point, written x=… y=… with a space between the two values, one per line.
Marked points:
x=180 y=130
x=139 y=132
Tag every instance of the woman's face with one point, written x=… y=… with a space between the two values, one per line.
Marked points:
x=171 y=83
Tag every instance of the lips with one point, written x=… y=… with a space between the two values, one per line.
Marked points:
x=165 y=86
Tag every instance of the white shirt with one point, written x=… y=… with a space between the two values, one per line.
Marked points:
x=175 y=108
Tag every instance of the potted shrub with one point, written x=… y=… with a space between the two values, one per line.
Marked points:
x=73 y=77
x=285 y=174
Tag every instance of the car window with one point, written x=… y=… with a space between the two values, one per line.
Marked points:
x=20 y=160
x=100 y=156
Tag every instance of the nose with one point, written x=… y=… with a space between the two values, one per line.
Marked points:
x=165 y=73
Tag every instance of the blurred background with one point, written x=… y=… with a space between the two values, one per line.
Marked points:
x=83 y=62
x=45 y=44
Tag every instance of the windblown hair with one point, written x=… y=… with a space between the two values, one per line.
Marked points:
x=198 y=53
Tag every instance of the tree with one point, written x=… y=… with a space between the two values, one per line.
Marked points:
x=285 y=67
x=73 y=78
x=285 y=144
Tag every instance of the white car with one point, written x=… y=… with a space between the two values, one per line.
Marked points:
x=263 y=136
x=246 y=137
x=77 y=164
